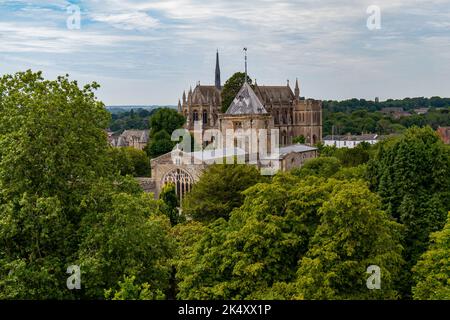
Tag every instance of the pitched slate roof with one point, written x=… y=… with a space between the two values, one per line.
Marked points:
x=266 y=94
x=246 y=102
x=203 y=93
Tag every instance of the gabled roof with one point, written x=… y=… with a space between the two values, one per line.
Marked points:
x=274 y=94
x=246 y=102
x=202 y=93
x=139 y=135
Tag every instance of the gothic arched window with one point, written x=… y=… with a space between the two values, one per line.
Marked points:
x=181 y=179
x=195 y=115
x=205 y=117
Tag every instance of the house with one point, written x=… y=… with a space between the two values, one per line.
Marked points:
x=350 y=141
x=137 y=139
x=395 y=112
x=421 y=111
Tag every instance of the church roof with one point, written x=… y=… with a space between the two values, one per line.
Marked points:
x=246 y=102
x=140 y=135
x=266 y=93
x=202 y=93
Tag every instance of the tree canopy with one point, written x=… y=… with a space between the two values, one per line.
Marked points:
x=130 y=161
x=256 y=254
x=219 y=191
x=166 y=119
x=432 y=272
x=412 y=175
x=61 y=201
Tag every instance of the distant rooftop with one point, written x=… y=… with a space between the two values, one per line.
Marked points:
x=349 y=137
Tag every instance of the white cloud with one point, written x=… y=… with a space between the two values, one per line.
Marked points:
x=128 y=21
x=176 y=39
x=28 y=38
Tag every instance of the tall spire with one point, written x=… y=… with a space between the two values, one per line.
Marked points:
x=297 y=89
x=218 y=84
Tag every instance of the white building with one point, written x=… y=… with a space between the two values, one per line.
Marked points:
x=350 y=141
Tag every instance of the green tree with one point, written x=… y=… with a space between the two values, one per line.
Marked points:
x=170 y=204
x=412 y=175
x=60 y=202
x=255 y=254
x=166 y=119
x=123 y=236
x=161 y=143
x=322 y=167
x=52 y=148
x=128 y=290
x=219 y=191
x=353 y=234
x=130 y=161
x=231 y=89
x=432 y=272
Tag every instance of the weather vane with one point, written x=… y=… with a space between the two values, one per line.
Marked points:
x=245 y=53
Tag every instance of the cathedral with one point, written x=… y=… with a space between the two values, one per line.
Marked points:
x=260 y=110
x=293 y=115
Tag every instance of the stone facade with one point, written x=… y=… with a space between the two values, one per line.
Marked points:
x=165 y=169
x=184 y=169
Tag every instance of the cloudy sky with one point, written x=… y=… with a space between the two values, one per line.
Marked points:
x=148 y=52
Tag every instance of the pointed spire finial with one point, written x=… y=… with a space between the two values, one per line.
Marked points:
x=297 y=89
x=218 y=83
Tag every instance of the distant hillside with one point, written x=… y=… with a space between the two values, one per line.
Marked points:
x=120 y=109
x=131 y=117
x=407 y=104
x=358 y=116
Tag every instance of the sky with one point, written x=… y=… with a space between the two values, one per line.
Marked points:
x=148 y=52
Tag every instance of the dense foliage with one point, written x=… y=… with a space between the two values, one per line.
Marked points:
x=138 y=119
x=361 y=116
x=432 y=272
x=270 y=247
x=412 y=175
x=162 y=124
x=207 y=203
x=130 y=161
x=60 y=202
